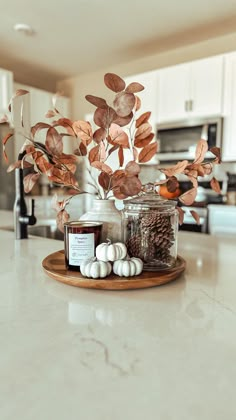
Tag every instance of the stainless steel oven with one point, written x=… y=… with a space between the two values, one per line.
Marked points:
x=177 y=141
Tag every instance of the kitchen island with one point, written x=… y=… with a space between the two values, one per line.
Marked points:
x=163 y=353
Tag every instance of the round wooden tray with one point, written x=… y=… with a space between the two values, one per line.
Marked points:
x=54 y=266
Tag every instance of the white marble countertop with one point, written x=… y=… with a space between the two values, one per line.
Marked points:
x=164 y=353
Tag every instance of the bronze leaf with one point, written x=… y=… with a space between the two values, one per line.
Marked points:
x=215 y=185
x=143 y=131
x=29 y=181
x=104 y=117
x=188 y=197
x=144 y=142
x=131 y=186
x=138 y=103
x=54 y=142
x=39 y=126
x=124 y=103
x=176 y=169
x=83 y=130
x=132 y=168
x=195 y=216
x=118 y=136
x=122 y=121
x=4 y=142
x=104 y=180
x=95 y=100
x=102 y=167
x=217 y=152
x=181 y=214
x=134 y=87
x=147 y=152
x=50 y=114
x=114 y=82
x=62 y=217
x=143 y=119
x=99 y=135
x=201 y=149
x=94 y=154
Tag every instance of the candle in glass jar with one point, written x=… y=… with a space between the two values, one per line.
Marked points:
x=80 y=240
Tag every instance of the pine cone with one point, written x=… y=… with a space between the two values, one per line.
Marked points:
x=134 y=247
x=151 y=220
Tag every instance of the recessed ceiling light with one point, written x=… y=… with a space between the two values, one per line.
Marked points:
x=24 y=28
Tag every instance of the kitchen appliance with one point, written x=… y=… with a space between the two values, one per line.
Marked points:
x=177 y=141
x=205 y=197
x=231 y=189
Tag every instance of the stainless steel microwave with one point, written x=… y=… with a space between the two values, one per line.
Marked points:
x=177 y=141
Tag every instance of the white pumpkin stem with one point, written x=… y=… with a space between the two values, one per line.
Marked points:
x=108 y=241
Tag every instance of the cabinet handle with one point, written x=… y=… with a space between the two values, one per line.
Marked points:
x=186 y=105
x=191 y=105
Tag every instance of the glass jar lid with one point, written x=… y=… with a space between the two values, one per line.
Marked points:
x=149 y=199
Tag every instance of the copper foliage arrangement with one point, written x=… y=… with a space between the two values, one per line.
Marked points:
x=119 y=131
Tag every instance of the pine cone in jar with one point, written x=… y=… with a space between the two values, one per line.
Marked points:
x=134 y=247
x=163 y=255
x=151 y=220
x=149 y=253
x=163 y=241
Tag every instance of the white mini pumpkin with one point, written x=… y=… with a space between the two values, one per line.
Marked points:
x=95 y=269
x=111 y=252
x=129 y=267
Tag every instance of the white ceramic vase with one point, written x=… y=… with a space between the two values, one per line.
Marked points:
x=106 y=212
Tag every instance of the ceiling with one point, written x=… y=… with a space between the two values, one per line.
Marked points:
x=77 y=36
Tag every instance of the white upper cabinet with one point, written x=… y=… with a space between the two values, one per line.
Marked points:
x=173 y=93
x=41 y=102
x=63 y=105
x=191 y=90
x=148 y=96
x=36 y=105
x=6 y=90
x=229 y=111
x=206 y=87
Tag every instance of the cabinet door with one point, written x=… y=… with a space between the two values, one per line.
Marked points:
x=6 y=90
x=20 y=111
x=206 y=80
x=229 y=110
x=63 y=105
x=174 y=85
x=148 y=96
x=40 y=103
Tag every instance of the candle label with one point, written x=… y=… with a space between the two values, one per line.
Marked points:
x=81 y=247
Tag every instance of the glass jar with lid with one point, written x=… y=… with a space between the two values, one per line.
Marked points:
x=150 y=226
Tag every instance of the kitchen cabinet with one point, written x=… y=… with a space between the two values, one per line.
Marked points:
x=41 y=101
x=191 y=90
x=36 y=105
x=222 y=220
x=229 y=111
x=148 y=96
x=6 y=90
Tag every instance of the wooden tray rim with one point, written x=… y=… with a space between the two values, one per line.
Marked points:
x=112 y=282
